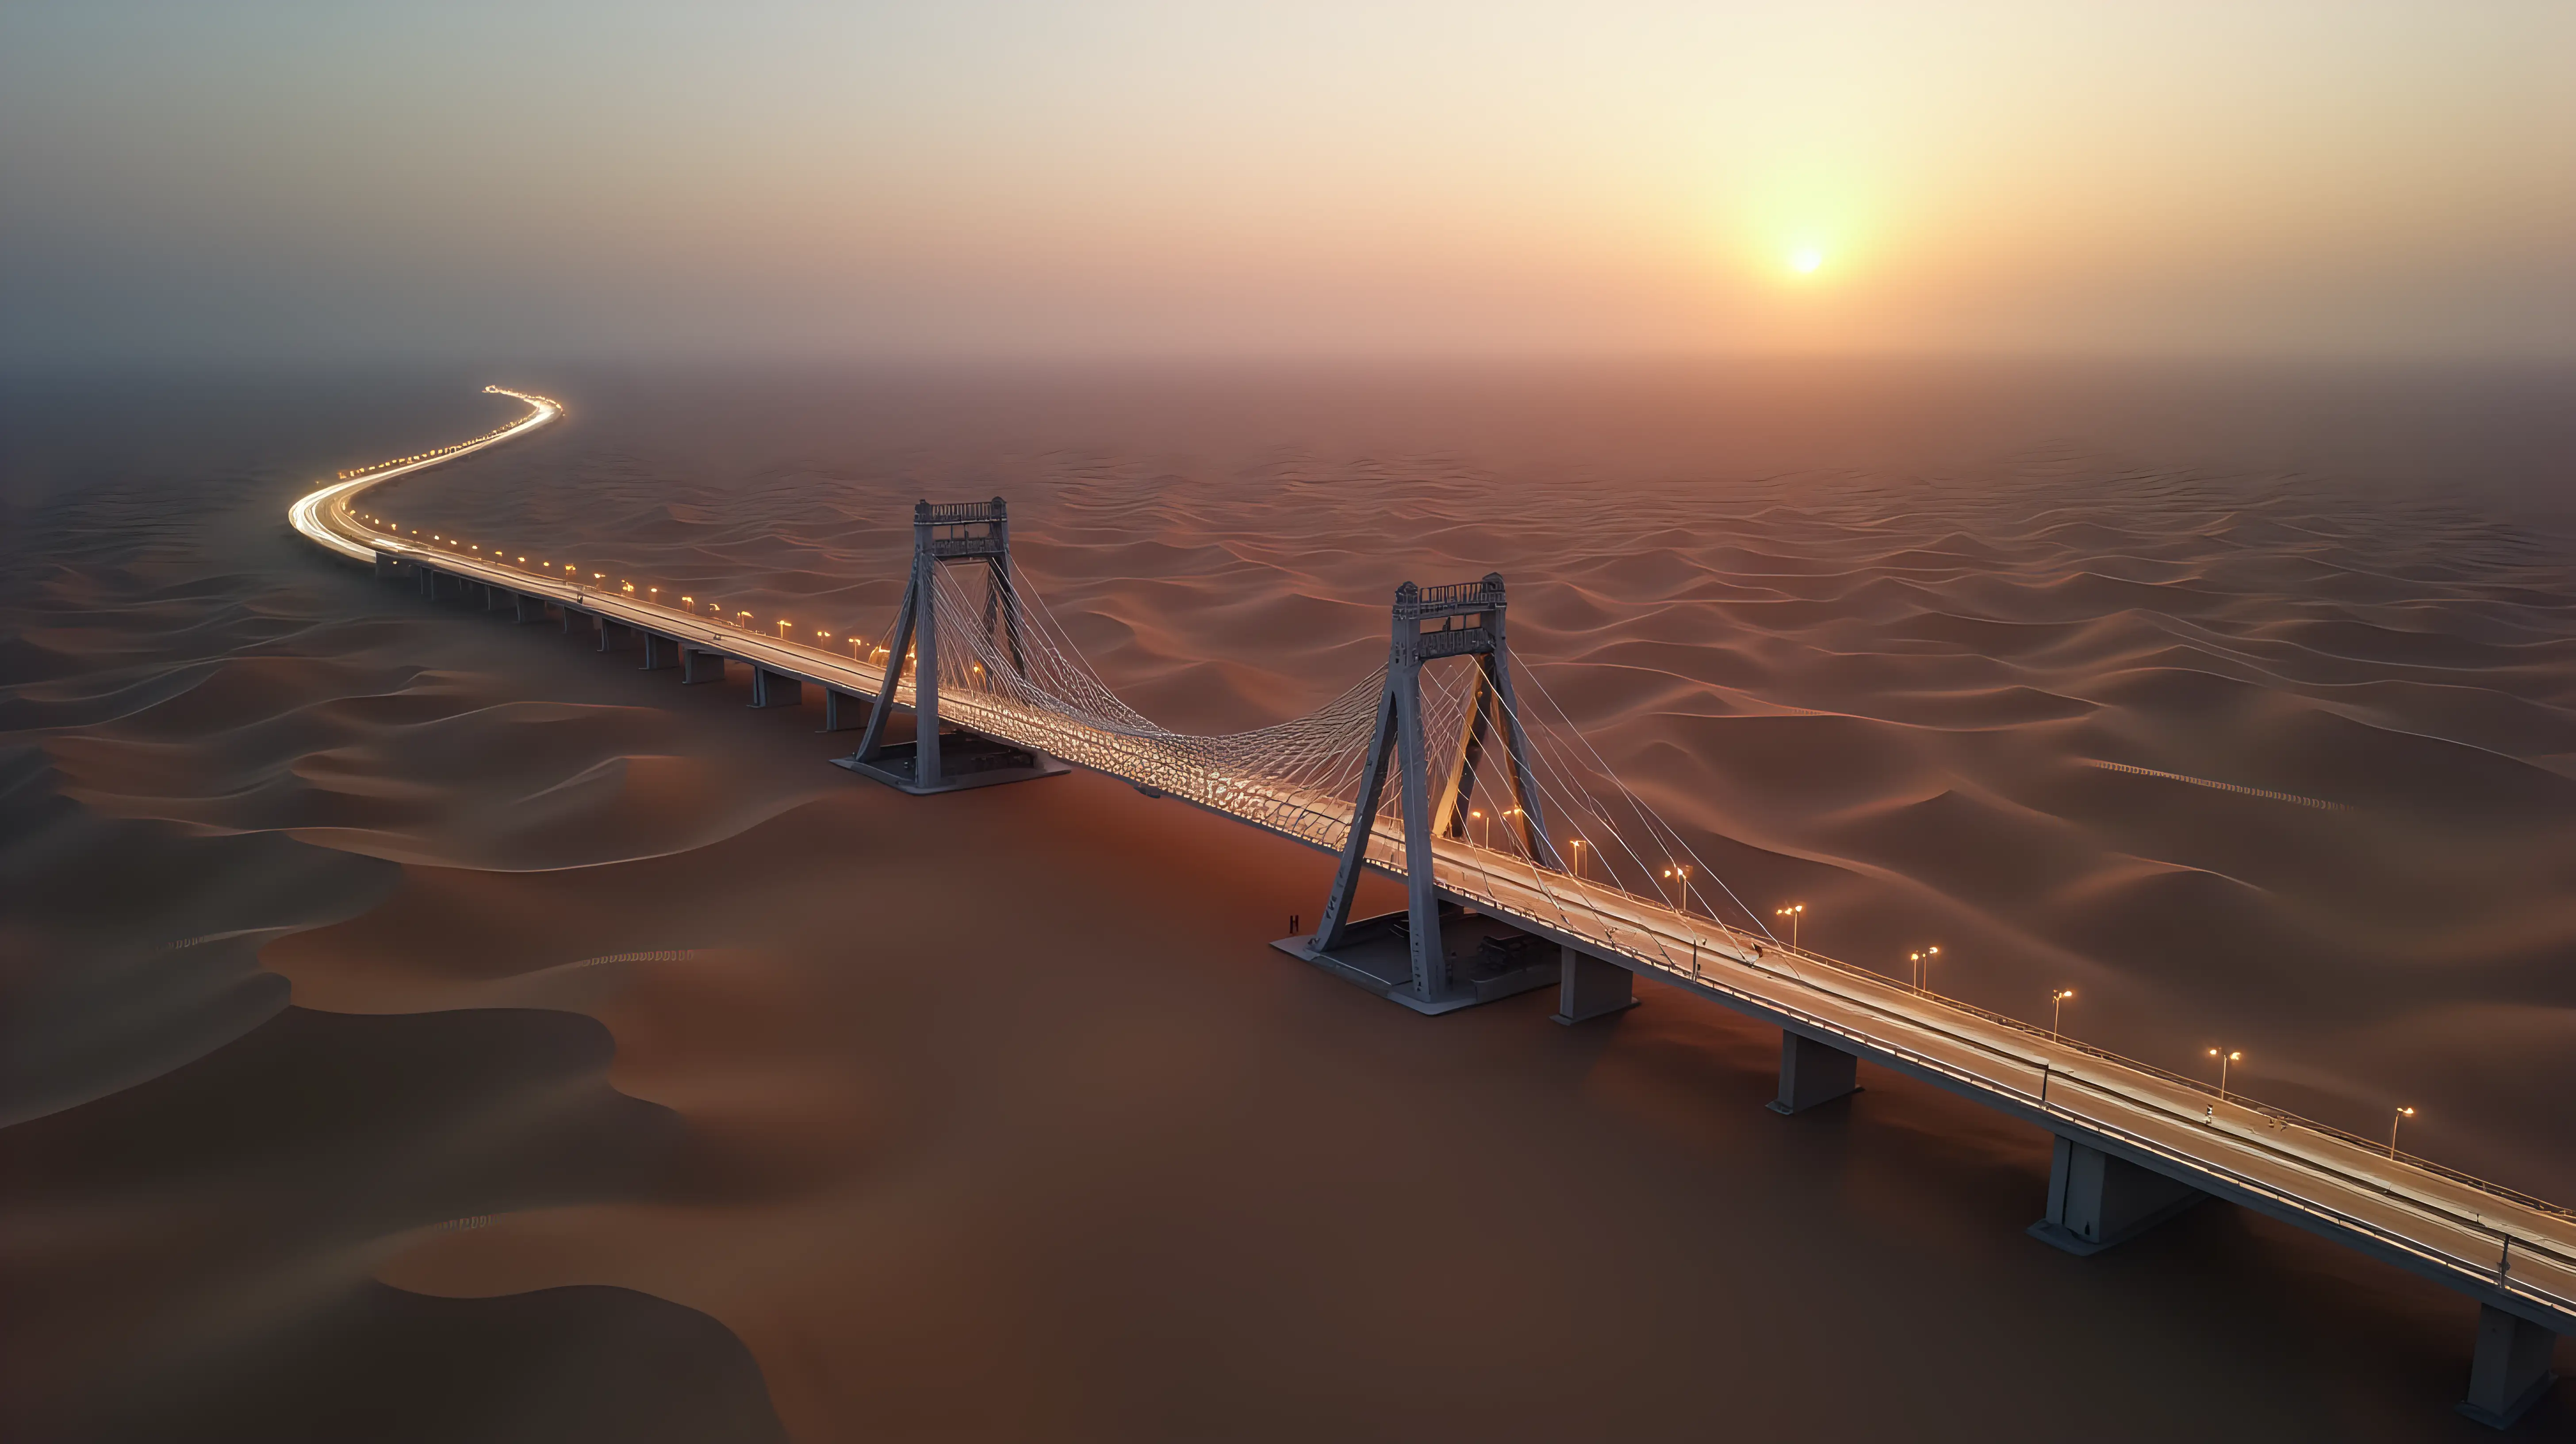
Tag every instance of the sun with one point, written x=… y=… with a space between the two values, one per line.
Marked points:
x=1805 y=260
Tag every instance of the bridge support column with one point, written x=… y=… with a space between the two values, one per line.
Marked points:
x=2096 y=1201
x=1812 y=1073
x=525 y=608
x=775 y=689
x=2510 y=1371
x=659 y=652
x=1469 y=623
x=491 y=597
x=843 y=710
x=699 y=665
x=608 y=629
x=387 y=566
x=936 y=760
x=1589 y=988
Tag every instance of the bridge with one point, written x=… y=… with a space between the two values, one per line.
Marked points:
x=1526 y=863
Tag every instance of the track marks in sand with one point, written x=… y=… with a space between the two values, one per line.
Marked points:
x=2293 y=797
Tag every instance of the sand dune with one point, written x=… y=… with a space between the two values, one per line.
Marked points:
x=633 y=1055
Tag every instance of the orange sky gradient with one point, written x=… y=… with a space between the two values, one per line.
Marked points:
x=603 y=179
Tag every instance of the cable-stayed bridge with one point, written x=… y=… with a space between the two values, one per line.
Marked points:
x=1526 y=863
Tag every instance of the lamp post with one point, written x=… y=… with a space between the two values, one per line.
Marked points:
x=2402 y=1115
x=2056 y=1006
x=1681 y=875
x=2225 y=1058
x=1922 y=960
x=1577 y=845
x=1791 y=912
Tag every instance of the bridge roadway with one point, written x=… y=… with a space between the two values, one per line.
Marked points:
x=2511 y=1252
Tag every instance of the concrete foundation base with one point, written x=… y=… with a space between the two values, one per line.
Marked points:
x=2510 y=1371
x=1812 y=1073
x=1588 y=987
x=700 y=666
x=965 y=760
x=2096 y=1201
x=775 y=689
x=1488 y=959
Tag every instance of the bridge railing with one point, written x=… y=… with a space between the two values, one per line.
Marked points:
x=1325 y=822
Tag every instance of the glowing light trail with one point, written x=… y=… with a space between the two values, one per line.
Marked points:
x=2481 y=1237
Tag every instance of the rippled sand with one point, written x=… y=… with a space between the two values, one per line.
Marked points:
x=644 y=1076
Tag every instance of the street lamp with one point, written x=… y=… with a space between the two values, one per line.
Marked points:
x=2402 y=1115
x=1681 y=874
x=1920 y=961
x=2057 y=1005
x=2235 y=1057
x=1577 y=845
x=1791 y=912
x=1476 y=815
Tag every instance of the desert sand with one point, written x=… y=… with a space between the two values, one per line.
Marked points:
x=420 y=1027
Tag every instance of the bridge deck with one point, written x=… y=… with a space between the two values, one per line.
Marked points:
x=2505 y=1249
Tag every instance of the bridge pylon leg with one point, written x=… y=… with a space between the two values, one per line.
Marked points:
x=1439 y=954
x=935 y=760
x=2510 y=1371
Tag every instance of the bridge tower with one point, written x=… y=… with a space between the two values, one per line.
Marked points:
x=1433 y=957
x=965 y=532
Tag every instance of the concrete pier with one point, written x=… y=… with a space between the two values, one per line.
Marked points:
x=2096 y=1201
x=1812 y=1073
x=843 y=710
x=700 y=665
x=1589 y=988
x=2510 y=1371
x=775 y=689
x=659 y=651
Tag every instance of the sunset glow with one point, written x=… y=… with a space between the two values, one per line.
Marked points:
x=1126 y=177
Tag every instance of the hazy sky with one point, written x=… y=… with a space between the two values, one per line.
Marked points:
x=578 y=179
